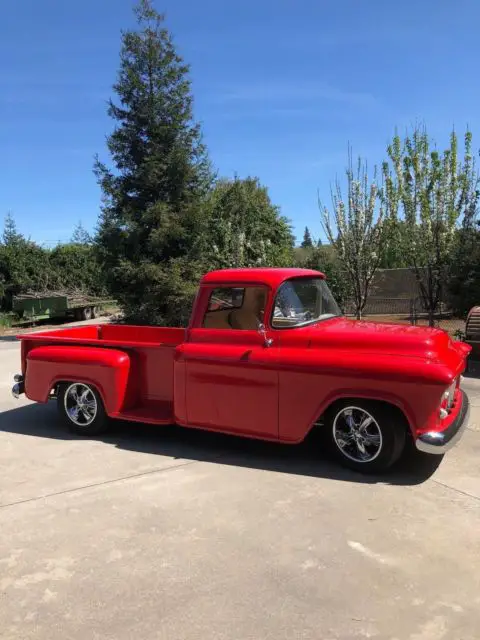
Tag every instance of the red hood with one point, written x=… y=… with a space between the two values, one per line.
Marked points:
x=388 y=338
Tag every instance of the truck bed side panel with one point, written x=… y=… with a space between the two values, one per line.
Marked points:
x=111 y=335
x=153 y=373
x=131 y=334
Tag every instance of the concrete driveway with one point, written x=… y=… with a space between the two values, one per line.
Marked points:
x=164 y=533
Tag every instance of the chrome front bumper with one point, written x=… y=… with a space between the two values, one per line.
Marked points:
x=19 y=386
x=438 y=442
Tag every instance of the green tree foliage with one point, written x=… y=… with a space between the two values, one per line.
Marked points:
x=464 y=281
x=81 y=236
x=430 y=192
x=151 y=218
x=356 y=230
x=307 y=241
x=76 y=264
x=75 y=267
x=23 y=264
x=392 y=252
x=26 y=266
x=243 y=228
x=10 y=236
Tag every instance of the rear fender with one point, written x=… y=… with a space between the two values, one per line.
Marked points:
x=105 y=369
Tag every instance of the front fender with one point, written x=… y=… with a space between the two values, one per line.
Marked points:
x=105 y=369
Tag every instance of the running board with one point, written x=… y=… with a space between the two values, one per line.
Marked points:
x=150 y=413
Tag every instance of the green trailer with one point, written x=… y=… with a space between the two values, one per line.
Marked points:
x=33 y=307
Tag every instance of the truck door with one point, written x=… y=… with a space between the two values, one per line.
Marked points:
x=231 y=376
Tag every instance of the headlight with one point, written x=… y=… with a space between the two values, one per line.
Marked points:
x=450 y=393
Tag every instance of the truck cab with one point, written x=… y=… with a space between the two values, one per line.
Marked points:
x=267 y=354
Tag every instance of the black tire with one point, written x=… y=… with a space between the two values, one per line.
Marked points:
x=77 y=314
x=380 y=443
x=86 y=313
x=94 y=312
x=96 y=423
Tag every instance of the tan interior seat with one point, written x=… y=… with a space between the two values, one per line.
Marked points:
x=251 y=313
x=217 y=319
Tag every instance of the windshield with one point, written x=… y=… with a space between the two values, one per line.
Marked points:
x=300 y=301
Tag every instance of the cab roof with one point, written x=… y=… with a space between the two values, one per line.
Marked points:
x=272 y=276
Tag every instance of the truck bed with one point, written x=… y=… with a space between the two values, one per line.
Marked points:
x=149 y=393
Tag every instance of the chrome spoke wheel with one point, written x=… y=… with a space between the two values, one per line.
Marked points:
x=357 y=434
x=80 y=404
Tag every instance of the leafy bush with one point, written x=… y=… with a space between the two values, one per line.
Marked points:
x=6 y=320
x=75 y=267
x=464 y=280
x=26 y=266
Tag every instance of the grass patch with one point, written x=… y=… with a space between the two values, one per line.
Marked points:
x=6 y=320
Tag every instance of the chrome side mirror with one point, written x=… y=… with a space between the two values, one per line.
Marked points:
x=267 y=342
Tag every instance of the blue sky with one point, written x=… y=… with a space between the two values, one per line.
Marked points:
x=281 y=87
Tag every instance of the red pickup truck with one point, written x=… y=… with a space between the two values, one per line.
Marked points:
x=267 y=354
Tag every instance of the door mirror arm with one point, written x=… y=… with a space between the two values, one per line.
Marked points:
x=267 y=342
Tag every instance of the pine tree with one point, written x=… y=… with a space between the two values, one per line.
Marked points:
x=24 y=264
x=150 y=217
x=80 y=235
x=10 y=232
x=307 y=242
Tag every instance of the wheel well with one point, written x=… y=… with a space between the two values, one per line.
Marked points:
x=56 y=387
x=59 y=383
x=341 y=401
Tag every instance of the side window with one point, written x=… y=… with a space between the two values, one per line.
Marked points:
x=235 y=308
